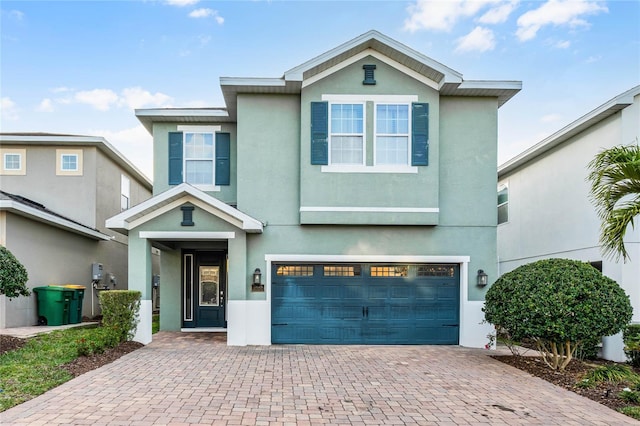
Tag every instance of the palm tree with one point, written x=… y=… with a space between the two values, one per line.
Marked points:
x=615 y=191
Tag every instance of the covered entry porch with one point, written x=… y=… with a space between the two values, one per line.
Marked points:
x=204 y=280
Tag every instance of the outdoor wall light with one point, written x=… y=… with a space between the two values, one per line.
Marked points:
x=483 y=278
x=257 y=277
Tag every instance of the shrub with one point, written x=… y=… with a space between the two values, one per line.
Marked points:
x=99 y=340
x=631 y=412
x=559 y=304
x=120 y=310
x=612 y=373
x=631 y=337
x=13 y=276
x=629 y=396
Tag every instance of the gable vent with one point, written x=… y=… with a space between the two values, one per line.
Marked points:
x=368 y=74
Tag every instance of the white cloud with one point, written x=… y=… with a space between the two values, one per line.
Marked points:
x=562 y=44
x=135 y=143
x=8 y=109
x=60 y=89
x=206 y=13
x=100 y=99
x=45 y=106
x=442 y=15
x=181 y=3
x=478 y=40
x=136 y=97
x=16 y=14
x=550 y=118
x=592 y=59
x=498 y=14
x=558 y=13
x=204 y=40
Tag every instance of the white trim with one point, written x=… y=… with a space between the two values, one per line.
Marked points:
x=199 y=129
x=143 y=333
x=51 y=219
x=187 y=287
x=391 y=99
x=181 y=112
x=381 y=168
x=186 y=235
x=371 y=209
x=370 y=52
x=377 y=258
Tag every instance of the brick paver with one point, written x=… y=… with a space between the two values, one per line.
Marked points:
x=193 y=378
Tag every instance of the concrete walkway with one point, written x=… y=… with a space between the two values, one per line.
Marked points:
x=34 y=330
x=194 y=378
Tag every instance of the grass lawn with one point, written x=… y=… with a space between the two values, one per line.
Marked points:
x=155 y=324
x=37 y=367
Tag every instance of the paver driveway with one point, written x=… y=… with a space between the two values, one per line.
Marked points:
x=193 y=378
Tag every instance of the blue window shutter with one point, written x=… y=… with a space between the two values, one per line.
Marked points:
x=175 y=158
x=419 y=134
x=319 y=133
x=223 y=158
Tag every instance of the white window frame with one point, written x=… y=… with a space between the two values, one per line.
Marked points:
x=363 y=168
x=21 y=154
x=60 y=154
x=362 y=135
x=501 y=186
x=125 y=192
x=376 y=134
x=203 y=130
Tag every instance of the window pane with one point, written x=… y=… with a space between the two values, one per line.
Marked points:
x=69 y=162
x=346 y=150
x=295 y=270
x=12 y=161
x=346 y=118
x=392 y=119
x=199 y=172
x=390 y=271
x=198 y=145
x=209 y=280
x=503 y=213
x=392 y=150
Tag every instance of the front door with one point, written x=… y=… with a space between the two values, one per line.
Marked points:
x=205 y=289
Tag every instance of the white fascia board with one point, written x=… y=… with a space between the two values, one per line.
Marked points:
x=251 y=81
x=53 y=220
x=365 y=258
x=186 y=235
x=370 y=209
x=121 y=220
x=491 y=84
x=181 y=112
x=591 y=118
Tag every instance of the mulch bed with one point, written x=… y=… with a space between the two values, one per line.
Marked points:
x=604 y=393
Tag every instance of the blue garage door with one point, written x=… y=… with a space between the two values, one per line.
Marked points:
x=365 y=304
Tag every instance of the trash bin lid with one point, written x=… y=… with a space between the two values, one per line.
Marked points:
x=75 y=286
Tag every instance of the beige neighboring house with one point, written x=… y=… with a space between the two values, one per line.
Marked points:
x=544 y=209
x=56 y=191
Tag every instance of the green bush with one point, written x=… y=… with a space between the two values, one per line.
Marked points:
x=96 y=343
x=120 y=310
x=631 y=337
x=13 y=276
x=559 y=304
x=631 y=412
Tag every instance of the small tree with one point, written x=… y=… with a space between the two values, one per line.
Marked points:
x=13 y=276
x=559 y=304
x=120 y=309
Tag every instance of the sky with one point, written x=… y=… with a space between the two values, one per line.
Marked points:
x=83 y=67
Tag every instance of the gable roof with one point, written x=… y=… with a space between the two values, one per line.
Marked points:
x=448 y=81
x=178 y=195
x=22 y=206
x=591 y=118
x=55 y=139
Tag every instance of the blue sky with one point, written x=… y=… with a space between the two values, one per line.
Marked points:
x=82 y=67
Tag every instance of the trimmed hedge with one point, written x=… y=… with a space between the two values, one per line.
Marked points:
x=120 y=309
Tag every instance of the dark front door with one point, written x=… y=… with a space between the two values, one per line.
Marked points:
x=205 y=289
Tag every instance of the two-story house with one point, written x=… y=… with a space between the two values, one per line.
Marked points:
x=544 y=209
x=348 y=201
x=56 y=191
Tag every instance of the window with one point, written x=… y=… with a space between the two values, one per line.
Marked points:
x=295 y=270
x=125 y=192
x=347 y=133
x=69 y=162
x=390 y=271
x=13 y=161
x=503 y=203
x=342 y=270
x=435 y=271
x=392 y=134
x=198 y=158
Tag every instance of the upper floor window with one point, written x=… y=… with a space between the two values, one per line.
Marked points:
x=125 y=192
x=503 y=203
x=69 y=162
x=13 y=161
x=347 y=134
x=200 y=156
x=392 y=134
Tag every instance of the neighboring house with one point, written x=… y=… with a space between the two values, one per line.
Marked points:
x=56 y=193
x=356 y=192
x=544 y=209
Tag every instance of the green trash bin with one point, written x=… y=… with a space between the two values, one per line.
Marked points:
x=75 y=305
x=54 y=303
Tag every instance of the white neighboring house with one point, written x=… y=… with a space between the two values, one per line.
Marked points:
x=544 y=209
